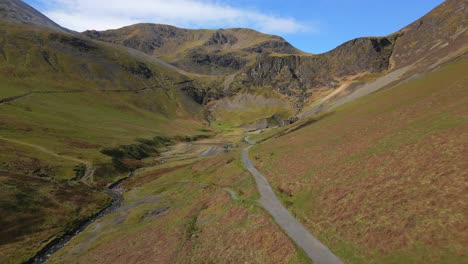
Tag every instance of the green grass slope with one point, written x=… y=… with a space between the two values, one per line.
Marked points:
x=81 y=96
x=86 y=95
x=382 y=179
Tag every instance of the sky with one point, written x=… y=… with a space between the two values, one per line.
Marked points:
x=313 y=26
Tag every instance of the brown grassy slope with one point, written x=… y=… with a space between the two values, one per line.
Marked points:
x=35 y=208
x=86 y=95
x=199 y=51
x=383 y=178
x=442 y=31
x=202 y=222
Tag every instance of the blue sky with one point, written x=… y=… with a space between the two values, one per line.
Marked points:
x=314 y=26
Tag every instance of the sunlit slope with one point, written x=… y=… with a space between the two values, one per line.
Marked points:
x=73 y=98
x=382 y=179
x=205 y=212
x=84 y=94
x=212 y=52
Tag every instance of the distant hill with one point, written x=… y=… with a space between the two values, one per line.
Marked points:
x=215 y=52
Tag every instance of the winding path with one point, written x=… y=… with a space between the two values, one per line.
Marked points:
x=87 y=178
x=318 y=252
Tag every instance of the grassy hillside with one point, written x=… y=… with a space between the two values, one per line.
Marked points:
x=80 y=96
x=442 y=31
x=382 y=179
x=247 y=107
x=86 y=95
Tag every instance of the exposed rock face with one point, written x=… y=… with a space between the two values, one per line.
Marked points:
x=282 y=47
x=140 y=69
x=276 y=63
x=213 y=52
x=219 y=38
x=293 y=75
x=222 y=60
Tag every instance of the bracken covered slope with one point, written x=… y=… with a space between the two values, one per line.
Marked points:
x=382 y=179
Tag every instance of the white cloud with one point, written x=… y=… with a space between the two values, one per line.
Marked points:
x=81 y=15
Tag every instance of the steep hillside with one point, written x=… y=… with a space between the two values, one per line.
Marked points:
x=63 y=99
x=68 y=79
x=213 y=52
x=441 y=32
x=382 y=179
x=16 y=11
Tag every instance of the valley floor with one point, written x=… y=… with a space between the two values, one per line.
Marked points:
x=189 y=209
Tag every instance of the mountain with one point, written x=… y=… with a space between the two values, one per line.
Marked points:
x=297 y=75
x=381 y=178
x=64 y=100
x=372 y=163
x=213 y=52
x=16 y=11
x=440 y=33
x=438 y=36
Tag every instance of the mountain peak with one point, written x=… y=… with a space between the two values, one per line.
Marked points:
x=16 y=11
x=206 y=51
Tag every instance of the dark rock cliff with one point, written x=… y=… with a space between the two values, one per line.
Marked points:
x=293 y=75
x=353 y=57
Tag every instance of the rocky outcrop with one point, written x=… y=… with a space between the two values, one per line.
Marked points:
x=219 y=38
x=228 y=60
x=139 y=69
x=310 y=71
x=220 y=52
x=276 y=46
x=294 y=75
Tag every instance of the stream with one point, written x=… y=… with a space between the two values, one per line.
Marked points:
x=114 y=191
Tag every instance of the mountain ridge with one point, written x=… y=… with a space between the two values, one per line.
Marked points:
x=116 y=101
x=207 y=51
x=17 y=11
